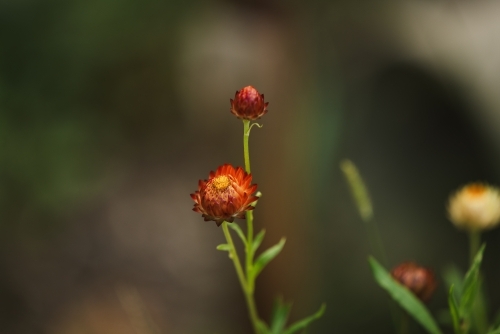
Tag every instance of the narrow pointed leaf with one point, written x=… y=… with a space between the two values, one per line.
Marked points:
x=471 y=284
x=267 y=256
x=258 y=240
x=238 y=230
x=404 y=297
x=302 y=324
x=224 y=247
x=279 y=316
x=455 y=315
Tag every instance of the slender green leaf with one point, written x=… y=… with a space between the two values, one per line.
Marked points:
x=302 y=324
x=258 y=240
x=267 y=256
x=238 y=230
x=224 y=247
x=279 y=317
x=404 y=297
x=455 y=315
x=471 y=284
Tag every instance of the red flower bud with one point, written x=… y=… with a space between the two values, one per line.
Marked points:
x=419 y=280
x=248 y=104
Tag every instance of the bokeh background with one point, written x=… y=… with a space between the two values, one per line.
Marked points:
x=110 y=112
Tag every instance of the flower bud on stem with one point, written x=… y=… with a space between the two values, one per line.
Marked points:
x=228 y=194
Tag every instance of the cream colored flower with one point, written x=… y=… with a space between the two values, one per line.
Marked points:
x=475 y=207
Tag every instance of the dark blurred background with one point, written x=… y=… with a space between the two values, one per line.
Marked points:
x=110 y=112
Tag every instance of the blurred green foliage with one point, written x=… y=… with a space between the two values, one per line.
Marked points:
x=82 y=83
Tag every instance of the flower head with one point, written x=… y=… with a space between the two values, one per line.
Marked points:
x=248 y=104
x=419 y=280
x=475 y=207
x=227 y=194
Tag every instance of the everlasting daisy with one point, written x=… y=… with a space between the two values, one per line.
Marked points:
x=475 y=207
x=227 y=194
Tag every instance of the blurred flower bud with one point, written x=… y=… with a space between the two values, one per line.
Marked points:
x=419 y=280
x=475 y=207
x=248 y=104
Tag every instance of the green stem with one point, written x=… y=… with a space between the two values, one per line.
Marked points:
x=233 y=255
x=376 y=240
x=249 y=214
x=249 y=248
x=479 y=313
x=474 y=243
x=249 y=251
x=247 y=291
x=404 y=323
x=246 y=135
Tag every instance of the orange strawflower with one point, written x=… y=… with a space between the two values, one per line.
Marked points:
x=417 y=279
x=227 y=194
x=248 y=104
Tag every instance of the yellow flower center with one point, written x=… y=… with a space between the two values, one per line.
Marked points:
x=220 y=183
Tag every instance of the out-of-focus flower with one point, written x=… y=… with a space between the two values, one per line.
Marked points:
x=227 y=194
x=475 y=207
x=417 y=279
x=248 y=104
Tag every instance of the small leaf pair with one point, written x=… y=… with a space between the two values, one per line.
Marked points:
x=264 y=258
x=256 y=242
